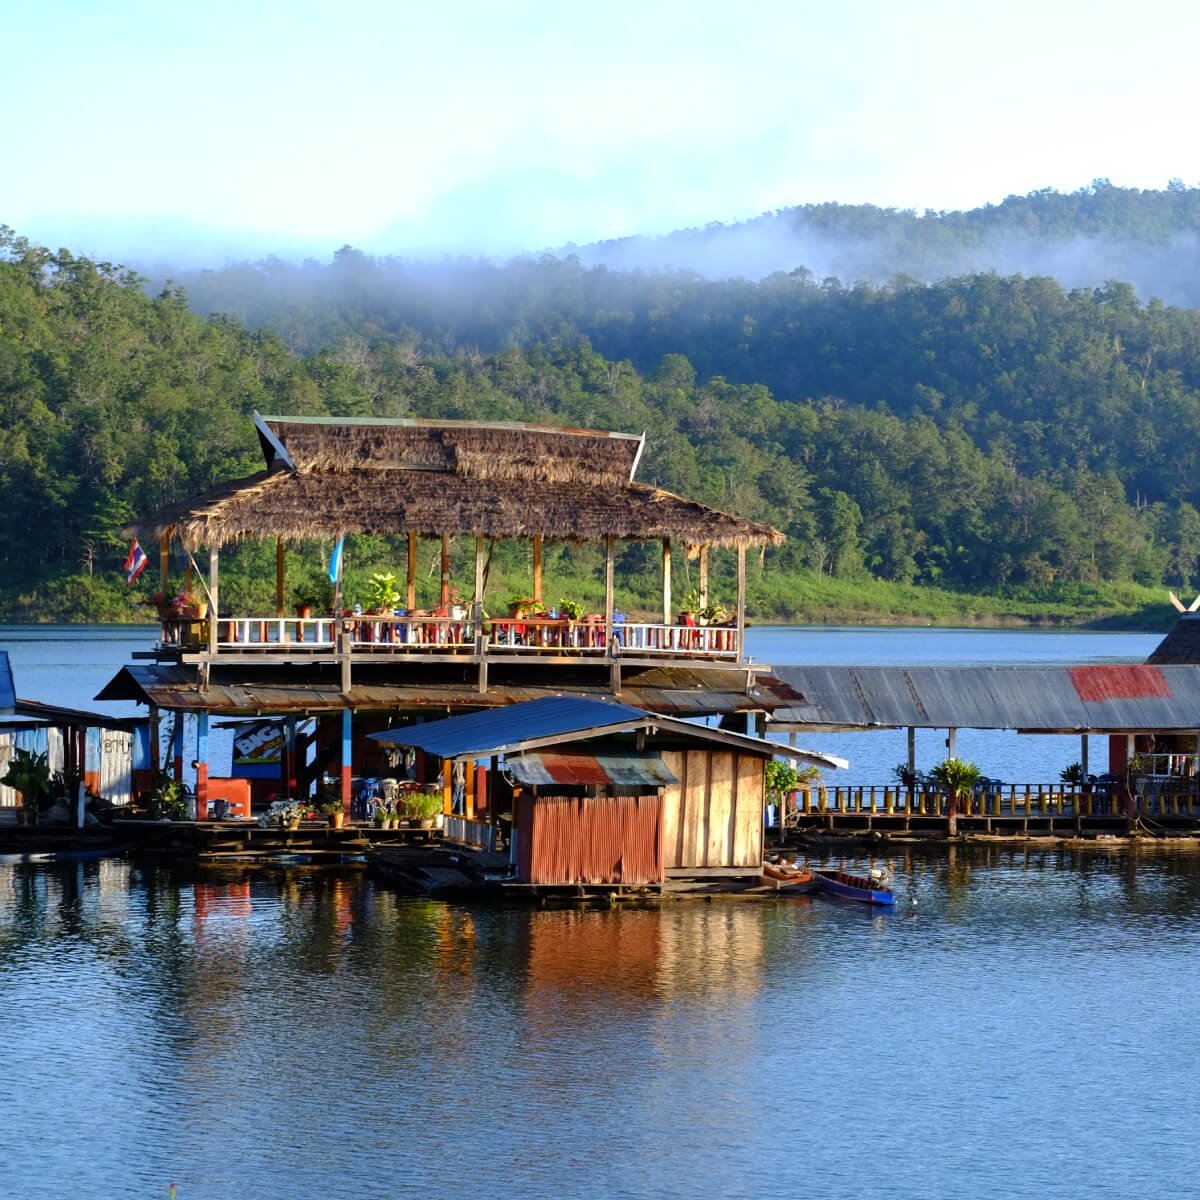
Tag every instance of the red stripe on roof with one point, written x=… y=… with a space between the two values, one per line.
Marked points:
x=574 y=768
x=1138 y=682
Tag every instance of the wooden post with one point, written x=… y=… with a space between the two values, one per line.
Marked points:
x=214 y=601
x=537 y=567
x=347 y=753
x=344 y=643
x=445 y=594
x=201 y=766
x=666 y=573
x=279 y=580
x=155 y=749
x=478 y=575
x=951 y=743
x=412 y=571
x=741 y=604
x=703 y=576
x=289 y=755
x=609 y=594
x=912 y=750
x=1083 y=756
x=164 y=563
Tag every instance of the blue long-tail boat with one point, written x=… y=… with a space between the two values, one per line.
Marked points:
x=870 y=889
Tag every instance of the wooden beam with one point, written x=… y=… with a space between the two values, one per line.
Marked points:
x=478 y=571
x=703 y=576
x=609 y=593
x=164 y=563
x=279 y=578
x=741 y=604
x=445 y=595
x=537 y=566
x=666 y=561
x=214 y=601
x=412 y=571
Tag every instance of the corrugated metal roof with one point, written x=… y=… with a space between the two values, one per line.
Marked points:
x=556 y=719
x=1182 y=643
x=1063 y=699
x=543 y=768
x=496 y=731
x=8 y=696
x=260 y=691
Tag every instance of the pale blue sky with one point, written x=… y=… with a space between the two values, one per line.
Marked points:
x=465 y=127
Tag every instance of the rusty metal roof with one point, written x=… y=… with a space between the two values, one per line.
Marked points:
x=265 y=690
x=543 y=768
x=1052 y=699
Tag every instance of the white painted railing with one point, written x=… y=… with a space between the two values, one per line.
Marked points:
x=372 y=634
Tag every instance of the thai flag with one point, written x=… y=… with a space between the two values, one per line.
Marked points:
x=135 y=564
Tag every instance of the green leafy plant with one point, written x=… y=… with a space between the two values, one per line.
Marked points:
x=166 y=799
x=422 y=806
x=956 y=777
x=570 y=608
x=29 y=773
x=1072 y=773
x=382 y=591
x=314 y=591
x=905 y=775
x=331 y=808
x=781 y=778
x=714 y=613
x=690 y=601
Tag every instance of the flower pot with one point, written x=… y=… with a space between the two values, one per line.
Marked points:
x=337 y=820
x=199 y=610
x=457 y=612
x=304 y=611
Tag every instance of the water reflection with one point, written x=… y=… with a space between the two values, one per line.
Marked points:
x=304 y=1034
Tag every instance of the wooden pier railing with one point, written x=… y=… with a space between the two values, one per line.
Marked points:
x=1009 y=800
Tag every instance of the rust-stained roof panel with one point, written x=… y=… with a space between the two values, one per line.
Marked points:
x=253 y=691
x=1124 y=698
x=543 y=769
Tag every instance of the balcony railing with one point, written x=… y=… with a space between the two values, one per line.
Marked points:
x=401 y=636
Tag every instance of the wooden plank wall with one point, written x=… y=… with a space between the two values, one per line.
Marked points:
x=714 y=816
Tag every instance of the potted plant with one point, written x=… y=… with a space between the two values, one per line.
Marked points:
x=456 y=605
x=957 y=778
x=166 y=800
x=29 y=774
x=423 y=808
x=571 y=609
x=313 y=592
x=713 y=613
x=333 y=810
x=689 y=606
x=382 y=593
x=520 y=605
x=384 y=813
x=1072 y=774
x=906 y=777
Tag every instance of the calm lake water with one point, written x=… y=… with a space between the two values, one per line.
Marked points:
x=1022 y=1031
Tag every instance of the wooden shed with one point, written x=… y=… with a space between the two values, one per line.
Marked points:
x=600 y=793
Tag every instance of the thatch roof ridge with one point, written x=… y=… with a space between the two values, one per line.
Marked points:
x=514 y=450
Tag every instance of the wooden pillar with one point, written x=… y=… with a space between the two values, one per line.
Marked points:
x=703 y=576
x=213 y=598
x=1083 y=756
x=201 y=766
x=347 y=751
x=912 y=749
x=177 y=747
x=164 y=562
x=666 y=561
x=445 y=594
x=609 y=591
x=412 y=571
x=952 y=743
x=741 y=604
x=155 y=748
x=289 y=755
x=279 y=579
x=537 y=567
x=478 y=569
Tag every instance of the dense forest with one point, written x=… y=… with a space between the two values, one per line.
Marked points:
x=1008 y=437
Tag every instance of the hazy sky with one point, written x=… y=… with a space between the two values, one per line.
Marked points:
x=465 y=127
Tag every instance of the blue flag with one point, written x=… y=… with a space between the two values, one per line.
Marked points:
x=335 y=562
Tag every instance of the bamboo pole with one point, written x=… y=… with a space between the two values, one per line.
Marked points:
x=279 y=578
x=666 y=574
x=445 y=594
x=412 y=571
x=537 y=567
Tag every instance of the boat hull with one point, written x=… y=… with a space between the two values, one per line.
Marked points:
x=853 y=887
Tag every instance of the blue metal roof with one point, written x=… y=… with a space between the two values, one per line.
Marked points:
x=513 y=728
x=8 y=697
x=494 y=731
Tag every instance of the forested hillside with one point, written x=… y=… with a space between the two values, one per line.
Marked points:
x=993 y=435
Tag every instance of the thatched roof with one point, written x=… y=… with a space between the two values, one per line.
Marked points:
x=326 y=478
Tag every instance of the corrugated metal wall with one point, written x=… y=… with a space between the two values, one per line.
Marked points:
x=109 y=766
x=714 y=816
x=589 y=839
